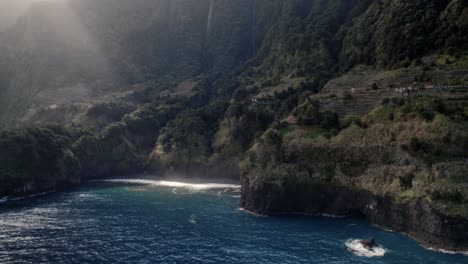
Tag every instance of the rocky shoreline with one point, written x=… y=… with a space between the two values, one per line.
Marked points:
x=417 y=219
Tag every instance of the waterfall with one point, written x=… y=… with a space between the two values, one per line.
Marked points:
x=254 y=22
x=210 y=15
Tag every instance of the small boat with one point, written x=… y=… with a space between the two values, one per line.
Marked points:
x=4 y=199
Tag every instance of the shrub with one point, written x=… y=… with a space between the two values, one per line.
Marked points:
x=329 y=120
x=449 y=196
x=406 y=181
x=347 y=96
x=348 y=120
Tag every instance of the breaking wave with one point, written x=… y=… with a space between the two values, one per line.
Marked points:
x=358 y=249
x=176 y=184
x=465 y=253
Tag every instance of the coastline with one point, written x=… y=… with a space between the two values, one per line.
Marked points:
x=419 y=241
x=423 y=243
x=416 y=218
x=7 y=199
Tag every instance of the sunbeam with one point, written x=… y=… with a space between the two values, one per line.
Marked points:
x=57 y=61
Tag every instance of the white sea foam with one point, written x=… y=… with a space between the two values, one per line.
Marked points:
x=250 y=212
x=30 y=196
x=192 y=219
x=448 y=251
x=175 y=184
x=358 y=249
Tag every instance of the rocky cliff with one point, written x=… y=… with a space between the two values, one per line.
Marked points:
x=401 y=175
x=417 y=218
x=37 y=160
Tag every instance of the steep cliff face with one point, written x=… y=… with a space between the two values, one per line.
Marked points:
x=383 y=33
x=37 y=160
x=407 y=174
x=417 y=218
x=91 y=51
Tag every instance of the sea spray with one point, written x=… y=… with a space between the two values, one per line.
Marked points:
x=355 y=246
x=175 y=184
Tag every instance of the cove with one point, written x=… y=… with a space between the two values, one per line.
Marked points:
x=172 y=222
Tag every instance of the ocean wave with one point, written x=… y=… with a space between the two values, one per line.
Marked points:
x=450 y=252
x=30 y=196
x=251 y=213
x=192 y=219
x=358 y=249
x=176 y=184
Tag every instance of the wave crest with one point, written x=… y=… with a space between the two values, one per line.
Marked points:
x=358 y=249
x=176 y=184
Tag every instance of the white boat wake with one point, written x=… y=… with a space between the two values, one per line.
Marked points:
x=355 y=246
x=175 y=184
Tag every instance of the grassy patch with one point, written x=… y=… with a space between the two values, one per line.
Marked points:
x=288 y=129
x=406 y=196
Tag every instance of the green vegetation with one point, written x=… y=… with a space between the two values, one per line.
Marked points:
x=187 y=138
x=312 y=39
x=309 y=114
x=161 y=93
x=422 y=107
x=37 y=158
x=412 y=148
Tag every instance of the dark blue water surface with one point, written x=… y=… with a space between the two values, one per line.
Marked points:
x=128 y=223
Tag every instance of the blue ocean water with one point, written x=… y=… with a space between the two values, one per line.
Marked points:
x=144 y=223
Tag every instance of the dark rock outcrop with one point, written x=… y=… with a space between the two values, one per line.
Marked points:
x=368 y=243
x=416 y=218
x=37 y=160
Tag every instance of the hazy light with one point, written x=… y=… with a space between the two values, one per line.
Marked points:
x=11 y=10
x=55 y=56
x=186 y=185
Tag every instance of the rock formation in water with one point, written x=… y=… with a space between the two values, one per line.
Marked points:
x=368 y=243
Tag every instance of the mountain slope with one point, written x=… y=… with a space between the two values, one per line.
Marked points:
x=311 y=103
x=94 y=49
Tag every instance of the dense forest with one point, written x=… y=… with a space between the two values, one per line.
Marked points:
x=95 y=48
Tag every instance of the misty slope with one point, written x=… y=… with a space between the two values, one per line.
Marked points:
x=11 y=10
x=100 y=45
x=91 y=50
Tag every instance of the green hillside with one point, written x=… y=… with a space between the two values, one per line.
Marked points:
x=284 y=95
